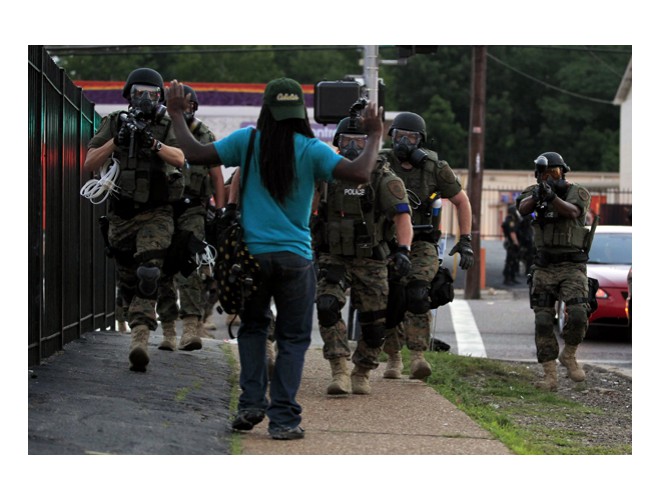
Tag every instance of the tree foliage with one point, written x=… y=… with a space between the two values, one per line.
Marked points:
x=539 y=98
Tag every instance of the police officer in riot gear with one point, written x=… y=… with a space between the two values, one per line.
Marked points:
x=202 y=182
x=511 y=245
x=560 y=271
x=140 y=216
x=427 y=178
x=350 y=236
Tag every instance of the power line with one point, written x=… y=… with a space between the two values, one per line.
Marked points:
x=122 y=50
x=546 y=84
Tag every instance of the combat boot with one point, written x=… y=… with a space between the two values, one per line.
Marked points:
x=169 y=337
x=567 y=358
x=209 y=323
x=341 y=378
x=549 y=382
x=202 y=333
x=190 y=340
x=419 y=367
x=394 y=366
x=360 y=380
x=138 y=356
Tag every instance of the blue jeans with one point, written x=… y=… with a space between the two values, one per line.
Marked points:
x=290 y=281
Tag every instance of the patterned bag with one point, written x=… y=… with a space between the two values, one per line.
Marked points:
x=236 y=269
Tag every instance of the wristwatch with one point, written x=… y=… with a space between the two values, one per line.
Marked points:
x=157 y=146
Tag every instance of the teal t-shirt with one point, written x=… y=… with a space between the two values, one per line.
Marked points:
x=268 y=225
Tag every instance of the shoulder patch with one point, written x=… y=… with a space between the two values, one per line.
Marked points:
x=395 y=187
x=583 y=194
x=447 y=174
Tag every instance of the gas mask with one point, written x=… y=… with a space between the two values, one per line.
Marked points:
x=559 y=186
x=189 y=115
x=145 y=98
x=406 y=146
x=351 y=145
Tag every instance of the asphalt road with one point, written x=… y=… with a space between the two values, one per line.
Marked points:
x=500 y=325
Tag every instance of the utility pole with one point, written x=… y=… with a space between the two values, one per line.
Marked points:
x=476 y=165
x=371 y=71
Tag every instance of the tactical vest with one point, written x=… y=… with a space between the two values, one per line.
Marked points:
x=145 y=178
x=420 y=183
x=554 y=234
x=353 y=228
x=197 y=179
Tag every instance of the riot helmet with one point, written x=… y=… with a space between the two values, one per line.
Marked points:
x=550 y=160
x=408 y=132
x=554 y=165
x=350 y=138
x=144 y=89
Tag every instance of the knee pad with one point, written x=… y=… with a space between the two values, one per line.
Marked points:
x=417 y=295
x=545 y=321
x=577 y=316
x=373 y=334
x=148 y=281
x=328 y=310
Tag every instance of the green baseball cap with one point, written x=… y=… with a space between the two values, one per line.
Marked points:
x=284 y=97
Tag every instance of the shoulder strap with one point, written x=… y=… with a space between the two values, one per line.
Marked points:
x=246 y=166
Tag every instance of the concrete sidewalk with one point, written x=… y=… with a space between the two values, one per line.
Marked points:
x=85 y=400
x=399 y=417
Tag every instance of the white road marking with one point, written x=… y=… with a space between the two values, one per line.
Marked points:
x=468 y=337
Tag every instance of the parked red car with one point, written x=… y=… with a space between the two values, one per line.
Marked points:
x=610 y=260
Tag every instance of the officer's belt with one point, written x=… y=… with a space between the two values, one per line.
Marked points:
x=545 y=258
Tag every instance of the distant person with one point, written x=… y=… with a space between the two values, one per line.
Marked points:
x=276 y=207
x=560 y=265
x=512 y=246
x=525 y=234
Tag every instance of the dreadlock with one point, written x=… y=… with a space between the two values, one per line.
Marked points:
x=276 y=157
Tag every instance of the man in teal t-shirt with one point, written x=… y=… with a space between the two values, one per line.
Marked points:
x=276 y=205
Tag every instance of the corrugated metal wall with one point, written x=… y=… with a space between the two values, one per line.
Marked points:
x=71 y=286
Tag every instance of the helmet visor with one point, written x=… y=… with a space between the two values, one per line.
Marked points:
x=551 y=172
x=414 y=138
x=140 y=91
x=358 y=139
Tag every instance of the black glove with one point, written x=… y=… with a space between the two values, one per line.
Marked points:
x=546 y=193
x=401 y=262
x=464 y=247
x=211 y=213
x=229 y=216
x=146 y=139
x=123 y=137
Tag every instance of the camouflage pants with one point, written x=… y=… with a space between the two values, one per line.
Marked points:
x=146 y=237
x=415 y=330
x=367 y=279
x=563 y=281
x=191 y=293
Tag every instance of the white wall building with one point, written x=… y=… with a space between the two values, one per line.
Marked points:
x=623 y=99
